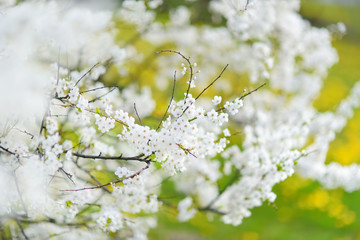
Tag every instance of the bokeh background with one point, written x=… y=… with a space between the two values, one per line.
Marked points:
x=303 y=209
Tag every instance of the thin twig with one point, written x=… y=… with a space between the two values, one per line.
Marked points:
x=243 y=96
x=23 y=131
x=95 y=99
x=20 y=196
x=94 y=89
x=172 y=97
x=212 y=210
x=135 y=158
x=7 y=150
x=42 y=124
x=21 y=229
x=92 y=176
x=246 y=94
x=86 y=74
x=68 y=175
x=186 y=150
x=111 y=183
x=190 y=66
x=58 y=115
x=136 y=112
x=78 y=144
x=206 y=88
x=212 y=82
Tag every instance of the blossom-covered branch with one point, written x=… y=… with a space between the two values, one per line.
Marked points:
x=63 y=122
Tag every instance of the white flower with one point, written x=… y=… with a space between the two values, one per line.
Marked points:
x=217 y=100
x=82 y=103
x=104 y=124
x=110 y=219
x=186 y=212
x=51 y=125
x=74 y=94
x=122 y=172
x=226 y=132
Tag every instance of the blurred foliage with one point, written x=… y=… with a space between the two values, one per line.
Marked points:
x=304 y=209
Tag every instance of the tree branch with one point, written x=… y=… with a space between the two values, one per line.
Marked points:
x=21 y=229
x=135 y=158
x=245 y=95
x=111 y=183
x=86 y=74
x=206 y=87
x=212 y=82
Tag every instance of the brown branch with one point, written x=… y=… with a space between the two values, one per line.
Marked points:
x=7 y=150
x=246 y=94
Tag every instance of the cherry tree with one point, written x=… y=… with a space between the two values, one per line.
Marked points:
x=85 y=156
